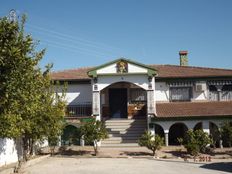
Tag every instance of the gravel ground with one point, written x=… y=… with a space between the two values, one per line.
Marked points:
x=61 y=165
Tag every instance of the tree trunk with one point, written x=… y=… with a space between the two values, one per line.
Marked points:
x=31 y=146
x=95 y=146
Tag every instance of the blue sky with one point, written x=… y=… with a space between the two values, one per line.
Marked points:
x=81 y=33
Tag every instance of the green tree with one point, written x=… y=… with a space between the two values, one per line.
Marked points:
x=196 y=141
x=94 y=131
x=226 y=133
x=29 y=109
x=150 y=141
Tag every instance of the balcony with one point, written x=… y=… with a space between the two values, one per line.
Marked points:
x=220 y=95
x=79 y=110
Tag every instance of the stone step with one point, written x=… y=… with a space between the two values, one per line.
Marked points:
x=125 y=131
x=125 y=121
x=126 y=126
x=120 y=145
x=134 y=134
x=119 y=141
x=121 y=138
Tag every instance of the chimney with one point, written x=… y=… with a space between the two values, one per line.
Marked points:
x=183 y=58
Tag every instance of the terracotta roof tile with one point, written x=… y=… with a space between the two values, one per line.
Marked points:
x=175 y=71
x=193 y=109
x=71 y=74
x=164 y=71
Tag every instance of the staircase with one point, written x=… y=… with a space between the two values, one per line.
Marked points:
x=124 y=133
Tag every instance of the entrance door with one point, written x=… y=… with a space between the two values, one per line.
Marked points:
x=118 y=102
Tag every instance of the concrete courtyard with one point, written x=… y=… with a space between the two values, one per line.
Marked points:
x=61 y=165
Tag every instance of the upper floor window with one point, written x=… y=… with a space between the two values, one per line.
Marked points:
x=220 y=92
x=180 y=93
x=138 y=95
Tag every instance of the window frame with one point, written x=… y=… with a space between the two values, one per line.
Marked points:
x=190 y=88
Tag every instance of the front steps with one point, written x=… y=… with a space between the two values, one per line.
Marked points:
x=124 y=133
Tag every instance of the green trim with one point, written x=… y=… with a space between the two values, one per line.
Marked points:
x=93 y=72
x=121 y=74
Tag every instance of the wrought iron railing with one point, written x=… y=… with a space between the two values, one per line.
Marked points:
x=226 y=95
x=79 y=110
x=213 y=95
x=221 y=96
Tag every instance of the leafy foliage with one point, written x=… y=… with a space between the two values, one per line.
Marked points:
x=151 y=142
x=196 y=141
x=226 y=133
x=29 y=108
x=94 y=131
x=71 y=135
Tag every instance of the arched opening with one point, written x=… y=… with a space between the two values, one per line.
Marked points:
x=159 y=130
x=123 y=100
x=177 y=130
x=214 y=133
x=198 y=126
x=70 y=136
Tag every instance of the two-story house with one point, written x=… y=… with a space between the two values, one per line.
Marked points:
x=131 y=97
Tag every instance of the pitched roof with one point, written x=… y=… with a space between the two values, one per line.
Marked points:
x=175 y=71
x=163 y=71
x=193 y=109
x=71 y=74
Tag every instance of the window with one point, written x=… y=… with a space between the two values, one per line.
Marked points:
x=180 y=93
x=138 y=95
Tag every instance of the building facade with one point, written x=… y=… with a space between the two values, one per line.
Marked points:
x=131 y=97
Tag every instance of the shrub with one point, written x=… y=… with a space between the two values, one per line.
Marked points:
x=151 y=142
x=226 y=133
x=196 y=141
x=94 y=131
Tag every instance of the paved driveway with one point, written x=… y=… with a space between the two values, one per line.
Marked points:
x=66 y=165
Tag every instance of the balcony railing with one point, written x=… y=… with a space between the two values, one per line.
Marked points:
x=224 y=95
x=213 y=95
x=79 y=110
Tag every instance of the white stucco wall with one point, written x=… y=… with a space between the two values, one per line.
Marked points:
x=139 y=80
x=161 y=91
x=199 y=95
x=8 y=152
x=78 y=93
x=112 y=69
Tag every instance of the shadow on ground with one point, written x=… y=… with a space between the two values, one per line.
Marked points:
x=176 y=153
x=221 y=166
x=128 y=153
x=71 y=152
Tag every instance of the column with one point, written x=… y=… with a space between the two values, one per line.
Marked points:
x=166 y=137
x=150 y=102
x=152 y=128
x=219 y=89
x=96 y=105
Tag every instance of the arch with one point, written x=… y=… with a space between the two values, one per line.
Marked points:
x=122 y=82
x=159 y=130
x=214 y=133
x=198 y=126
x=119 y=100
x=70 y=135
x=177 y=130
